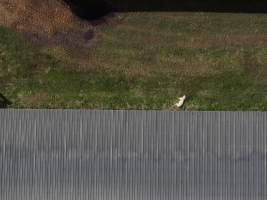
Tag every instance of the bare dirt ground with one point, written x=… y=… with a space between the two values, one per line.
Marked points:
x=50 y=22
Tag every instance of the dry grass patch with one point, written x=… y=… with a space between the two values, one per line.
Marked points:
x=42 y=17
x=33 y=100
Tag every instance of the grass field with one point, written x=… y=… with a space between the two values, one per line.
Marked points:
x=145 y=61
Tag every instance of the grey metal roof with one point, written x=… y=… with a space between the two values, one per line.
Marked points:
x=135 y=155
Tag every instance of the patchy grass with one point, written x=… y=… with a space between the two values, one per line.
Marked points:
x=146 y=61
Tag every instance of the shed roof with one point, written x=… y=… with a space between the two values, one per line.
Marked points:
x=93 y=154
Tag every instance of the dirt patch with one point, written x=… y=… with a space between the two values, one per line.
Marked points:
x=40 y=17
x=88 y=35
x=50 y=22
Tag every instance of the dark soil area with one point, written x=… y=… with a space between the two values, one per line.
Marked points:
x=90 y=10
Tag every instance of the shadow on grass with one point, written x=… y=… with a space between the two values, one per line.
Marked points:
x=96 y=9
x=243 y=6
x=4 y=102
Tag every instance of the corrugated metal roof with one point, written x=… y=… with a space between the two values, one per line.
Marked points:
x=137 y=155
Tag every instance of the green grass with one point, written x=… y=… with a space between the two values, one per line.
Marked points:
x=146 y=61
